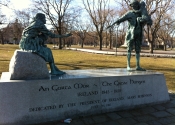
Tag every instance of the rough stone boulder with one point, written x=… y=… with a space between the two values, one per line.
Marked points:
x=27 y=65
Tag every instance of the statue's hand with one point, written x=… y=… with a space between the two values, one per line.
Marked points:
x=64 y=35
x=69 y=34
x=44 y=45
x=109 y=27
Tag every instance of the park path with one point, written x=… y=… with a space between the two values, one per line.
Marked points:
x=122 y=52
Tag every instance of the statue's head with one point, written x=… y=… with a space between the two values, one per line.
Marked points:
x=135 y=4
x=41 y=17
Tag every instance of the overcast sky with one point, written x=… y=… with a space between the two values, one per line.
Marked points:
x=22 y=4
x=15 y=4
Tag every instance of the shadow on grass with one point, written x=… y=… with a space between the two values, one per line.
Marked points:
x=8 y=60
x=76 y=66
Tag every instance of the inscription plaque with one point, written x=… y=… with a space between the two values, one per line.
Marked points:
x=36 y=101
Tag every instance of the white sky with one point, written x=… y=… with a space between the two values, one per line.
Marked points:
x=22 y=4
x=15 y=4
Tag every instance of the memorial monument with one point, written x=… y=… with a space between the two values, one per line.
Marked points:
x=76 y=93
x=136 y=18
x=30 y=61
x=33 y=40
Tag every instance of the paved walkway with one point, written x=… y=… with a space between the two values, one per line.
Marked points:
x=159 y=114
x=122 y=52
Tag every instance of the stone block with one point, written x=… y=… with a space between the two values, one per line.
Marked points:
x=79 y=93
x=27 y=65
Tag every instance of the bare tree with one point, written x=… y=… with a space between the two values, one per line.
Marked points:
x=81 y=30
x=4 y=2
x=166 y=31
x=116 y=31
x=157 y=9
x=98 y=11
x=2 y=27
x=24 y=16
x=55 y=11
x=109 y=34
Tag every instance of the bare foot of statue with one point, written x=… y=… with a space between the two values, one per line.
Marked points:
x=129 y=69
x=57 y=73
x=59 y=70
x=55 y=70
x=140 y=69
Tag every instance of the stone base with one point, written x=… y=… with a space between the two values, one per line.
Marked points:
x=79 y=93
x=27 y=65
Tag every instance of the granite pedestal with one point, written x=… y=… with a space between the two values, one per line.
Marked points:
x=27 y=65
x=78 y=93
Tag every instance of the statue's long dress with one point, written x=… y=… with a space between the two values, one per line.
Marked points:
x=33 y=38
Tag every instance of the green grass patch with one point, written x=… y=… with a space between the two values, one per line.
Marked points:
x=73 y=60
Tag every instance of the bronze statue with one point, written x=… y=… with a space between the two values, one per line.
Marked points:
x=136 y=18
x=33 y=38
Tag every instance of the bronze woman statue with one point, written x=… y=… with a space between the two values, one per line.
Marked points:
x=33 y=38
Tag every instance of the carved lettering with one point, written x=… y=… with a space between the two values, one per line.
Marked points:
x=144 y=95
x=80 y=86
x=117 y=83
x=117 y=90
x=105 y=92
x=95 y=107
x=131 y=97
x=71 y=104
x=106 y=105
x=116 y=99
x=56 y=87
x=90 y=102
x=87 y=93
x=136 y=82
x=49 y=107
x=60 y=106
x=43 y=89
x=106 y=84
x=42 y=108
x=104 y=100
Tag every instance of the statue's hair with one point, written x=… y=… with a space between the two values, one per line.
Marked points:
x=134 y=2
x=39 y=16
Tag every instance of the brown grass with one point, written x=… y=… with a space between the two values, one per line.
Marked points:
x=72 y=60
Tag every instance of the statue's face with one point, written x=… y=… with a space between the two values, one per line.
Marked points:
x=135 y=6
x=44 y=20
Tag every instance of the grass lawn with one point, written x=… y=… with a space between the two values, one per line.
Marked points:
x=72 y=60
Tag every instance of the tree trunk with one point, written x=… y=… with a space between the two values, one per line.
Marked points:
x=64 y=42
x=110 y=47
x=151 y=47
x=101 y=41
x=2 y=40
x=59 y=31
x=165 y=49
x=110 y=39
x=82 y=41
x=60 y=43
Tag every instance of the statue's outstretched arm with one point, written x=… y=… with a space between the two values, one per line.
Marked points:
x=116 y=22
x=63 y=35
x=123 y=18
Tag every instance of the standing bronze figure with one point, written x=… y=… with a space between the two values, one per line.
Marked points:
x=137 y=18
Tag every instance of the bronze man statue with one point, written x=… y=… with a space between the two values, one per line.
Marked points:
x=33 y=38
x=136 y=18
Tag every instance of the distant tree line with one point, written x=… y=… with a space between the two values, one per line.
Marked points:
x=88 y=22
